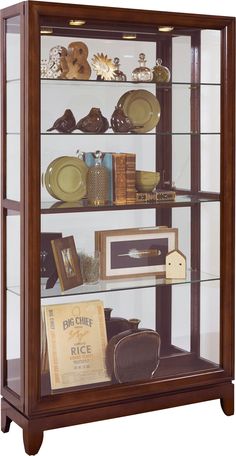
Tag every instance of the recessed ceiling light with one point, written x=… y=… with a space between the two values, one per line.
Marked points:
x=165 y=28
x=46 y=31
x=129 y=36
x=77 y=22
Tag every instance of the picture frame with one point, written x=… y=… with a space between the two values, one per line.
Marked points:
x=134 y=252
x=67 y=262
x=47 y=263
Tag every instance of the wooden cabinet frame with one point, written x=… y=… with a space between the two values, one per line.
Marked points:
x=30 y=410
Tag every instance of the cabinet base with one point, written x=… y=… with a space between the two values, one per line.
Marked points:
x=34 y=427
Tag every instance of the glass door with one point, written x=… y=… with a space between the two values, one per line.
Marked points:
x=130 y=207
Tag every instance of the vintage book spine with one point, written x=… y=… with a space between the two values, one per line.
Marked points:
x=119 y=178
x=130 y=178
x=165 y=195
x=77 y=340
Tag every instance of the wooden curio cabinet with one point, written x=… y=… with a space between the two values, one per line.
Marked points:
x=184 y=129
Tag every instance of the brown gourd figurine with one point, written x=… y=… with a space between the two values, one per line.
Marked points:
x=94 y=122
x=120 y=122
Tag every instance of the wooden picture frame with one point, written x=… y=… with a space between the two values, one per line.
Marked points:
x=47 y=263
x=67 y=262
x=134 y=252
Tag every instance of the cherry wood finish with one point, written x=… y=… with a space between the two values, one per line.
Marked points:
x=36 y=412
x=34 y=427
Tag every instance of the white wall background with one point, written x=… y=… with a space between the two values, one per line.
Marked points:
x=175 y=431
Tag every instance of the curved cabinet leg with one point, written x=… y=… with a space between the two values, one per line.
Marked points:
x=227 y=401
x=5 y=421
x=32 y=440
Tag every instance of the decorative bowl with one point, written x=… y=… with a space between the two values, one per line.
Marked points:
x=146 y=181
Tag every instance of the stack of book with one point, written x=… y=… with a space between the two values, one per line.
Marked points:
x=121 y=167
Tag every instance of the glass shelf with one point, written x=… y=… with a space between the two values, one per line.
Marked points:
x=168 y=133
x=129 y=134
x=104 y=286
x=124 y=83
x=82 y=206
x=127 y=83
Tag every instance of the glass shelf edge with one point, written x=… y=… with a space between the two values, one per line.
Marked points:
x=163 y=85
x=132 y=135
x=180 y=201
x=129 y=82
x=108 y=286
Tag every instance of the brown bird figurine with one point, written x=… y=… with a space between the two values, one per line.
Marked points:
x=94 y=122
x=65 y=123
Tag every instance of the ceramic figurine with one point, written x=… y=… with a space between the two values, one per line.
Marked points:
x=74 y=64
x=175 y=265
x=65 y=123
x=51 y=67
x=120 y=122
x=94 y=122
x=134 y=354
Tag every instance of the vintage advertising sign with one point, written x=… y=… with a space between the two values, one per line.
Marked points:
x=77 y=340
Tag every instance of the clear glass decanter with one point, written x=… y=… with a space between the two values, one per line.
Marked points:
x=142 y=73
x=118 y=74
x=160 y=73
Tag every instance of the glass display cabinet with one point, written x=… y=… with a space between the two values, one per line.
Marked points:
x=117 y=226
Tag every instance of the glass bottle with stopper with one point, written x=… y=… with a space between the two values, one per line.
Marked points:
x=142 y=73
x=160 y=73
x=97 y=182
x=118 y=74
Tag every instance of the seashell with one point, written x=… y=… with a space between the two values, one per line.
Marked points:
x=65 y=123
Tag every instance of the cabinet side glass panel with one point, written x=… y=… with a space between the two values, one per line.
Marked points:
x=13 y=303
x=13 y=121
x=210 y=293
x=13 y=218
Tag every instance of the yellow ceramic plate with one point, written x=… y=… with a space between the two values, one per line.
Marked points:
x=123 y=98
x=142 y=108
x=46 y=179
x=65 y=179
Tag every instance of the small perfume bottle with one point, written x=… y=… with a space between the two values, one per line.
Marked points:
x=118 y=74
x=97 y=182
x=160 y=72
x=142 y=73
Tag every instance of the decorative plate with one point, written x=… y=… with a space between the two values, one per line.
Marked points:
x=142 y=108
x=46 y=178
x=65 y=179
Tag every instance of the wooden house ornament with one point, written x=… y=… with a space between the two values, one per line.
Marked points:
x=175 y=265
